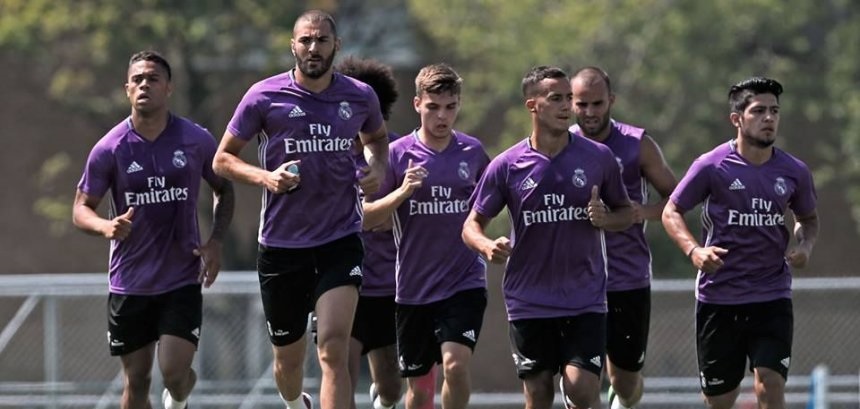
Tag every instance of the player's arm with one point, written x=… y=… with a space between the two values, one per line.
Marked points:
x=84 y=217
x=380 y=210
x=495 y=251
x=806 y=233
x=658 y=173
x=706 y=259
x=228 y=164
x=376 y=155
x=223 y=198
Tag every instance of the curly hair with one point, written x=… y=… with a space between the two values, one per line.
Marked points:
x=376 y=74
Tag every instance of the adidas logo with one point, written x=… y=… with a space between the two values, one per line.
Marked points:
x=595 y=361
x=296 y=112
x=737 y=185
x=196 y=332
x=785 y=361
x=528 y=184
x=470 y=335
x=134 y=167
x=356 y=271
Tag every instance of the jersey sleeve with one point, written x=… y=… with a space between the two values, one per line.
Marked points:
x=693 y=187
x=488 y=199
x=98 y=171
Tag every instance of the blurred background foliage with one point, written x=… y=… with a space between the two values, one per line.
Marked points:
x=671 y=62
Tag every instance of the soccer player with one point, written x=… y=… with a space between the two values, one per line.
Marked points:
x=152 y=163
x=441 y=286
x=743 y=307
x=373 y=331
x=310 y=253
x=628 y=288
x=561 y=191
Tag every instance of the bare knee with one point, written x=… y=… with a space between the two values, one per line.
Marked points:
x=138 y=383
x=769 y=387
x=417 y=396
x=724 y=401
x=333 y=352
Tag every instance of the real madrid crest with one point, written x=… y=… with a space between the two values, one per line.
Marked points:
x=579 y=179
x=779 y=187
x=463 y=171
x=179 y=159
x=344 y=111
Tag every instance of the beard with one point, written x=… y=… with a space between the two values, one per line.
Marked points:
x=601 y=126
x=757 y=141
x=315 y=73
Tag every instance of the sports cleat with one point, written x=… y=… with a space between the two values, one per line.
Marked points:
x=373 y=393
x=166 y=399
x=306 y=399
x=567 y=403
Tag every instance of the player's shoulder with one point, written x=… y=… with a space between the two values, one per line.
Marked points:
x=628 y=130
x=790 y=160
x=468 y=140
x=114 y=137
x=590 y=146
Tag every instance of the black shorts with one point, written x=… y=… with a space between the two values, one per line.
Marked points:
x=726 y=335
x=550 y=344
x=421 y=329
x=135 y=321
x=291 y=281
x=627 y=325
x=374 y=325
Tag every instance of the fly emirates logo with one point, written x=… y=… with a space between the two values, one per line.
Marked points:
x=321 y=141
x=440 y=204
x=762 y=214
x=554 y=210
x=158 y=192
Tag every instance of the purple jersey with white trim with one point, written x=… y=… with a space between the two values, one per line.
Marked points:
x=319 y=129
x=744 y=212
x=433 y=263
x=161 y=180
x=557 y=266
x=380 y=253
x=628 y=251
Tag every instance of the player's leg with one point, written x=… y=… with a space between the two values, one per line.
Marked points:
x=137 y=377
x=771 y=332
x=132 y=333
x=338 y=265
x=628 y=322
x=427 y=385
x=721 y=353
x=418 y=351
x=460 y=318
x=287 y=279
x=535 y=347
x=179 y=326
x=375 y=331
x=583 y=346
x=384 y=372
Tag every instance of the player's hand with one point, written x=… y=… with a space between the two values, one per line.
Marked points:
x=413 y=178
x=596 y=209
x=284 y=178
x=119 y=227
x=499 y=251
x=638 y=212
x=797 y=256
x=210 y=262
x=708 y=259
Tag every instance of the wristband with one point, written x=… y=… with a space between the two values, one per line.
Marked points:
x=690 y=253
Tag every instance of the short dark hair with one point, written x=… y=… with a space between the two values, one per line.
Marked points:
x=740 y=93
x=537 y=74
x=317 y=16
x=376 y=74
x=594 y=71
x=152 y=56
x=436 y=79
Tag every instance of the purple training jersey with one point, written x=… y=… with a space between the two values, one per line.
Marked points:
x=160 y=179
x=319 y=129
x=433 y=263
x=380 y=253
x=744 y=212
x=558 y=264
x=628 y=253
